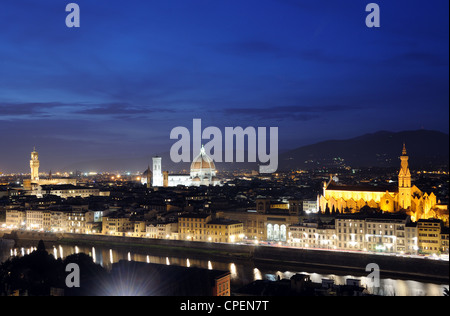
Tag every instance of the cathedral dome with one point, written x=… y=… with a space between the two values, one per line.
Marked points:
x=202 y=164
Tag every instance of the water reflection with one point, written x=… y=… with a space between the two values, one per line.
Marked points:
x=240 y=273
x=257 y=274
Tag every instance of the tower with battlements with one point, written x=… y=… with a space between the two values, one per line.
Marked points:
x=34 y=165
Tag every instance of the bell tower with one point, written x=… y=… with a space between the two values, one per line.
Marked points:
x=157 y=172
x=404 y=182
x=34 y=165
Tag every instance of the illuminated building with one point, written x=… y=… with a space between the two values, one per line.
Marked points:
x=35 y=220
x=66 y=191
x=266 y=223
x=76 y=221
x=311 y=206
x=202 y=227
x=193 y=226
x=138 y=229
x=444 y=240
x=429 y=235
x=222 y=230
x=116 y=225
x=57 y=221
x=34 y=165
x=412 y=238
x=162 y=231
x=157 y=176
x=389 y=233
x=403 y=197
x=15 y=219
x=375 y=233
x=350 y=232
x=312 y=235
x=35 y=180
x=202 y=172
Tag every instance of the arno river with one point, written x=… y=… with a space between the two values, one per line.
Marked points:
x=241 y=273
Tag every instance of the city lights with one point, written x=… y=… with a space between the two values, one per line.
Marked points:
x=224 y=148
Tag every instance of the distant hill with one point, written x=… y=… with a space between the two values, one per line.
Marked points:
x=425 y=148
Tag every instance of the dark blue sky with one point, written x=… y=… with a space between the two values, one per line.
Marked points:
x=135 y=69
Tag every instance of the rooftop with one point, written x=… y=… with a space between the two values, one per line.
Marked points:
x=192 y=215
x=361 y=188
x=222 y=221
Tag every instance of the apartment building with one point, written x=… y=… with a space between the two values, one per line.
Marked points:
x=202 y=227
x=116 y=225
x=356 y=232
x=312 y=235
x=350 y=232
x=35 y=220
x=162 y=230
x=412 y=238
x=15 y=219
x=429 y=231
x=224 y=230
x=75 y=221
x=193 y=226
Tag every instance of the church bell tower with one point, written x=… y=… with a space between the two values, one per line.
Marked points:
x=404 y=182
x=157 y=172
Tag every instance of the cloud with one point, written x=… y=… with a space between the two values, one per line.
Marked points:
x=57 y=110
x=255 y=48
x=415 y=57
x=119 y=109
x=317 y=55
x=26 y=109
x=296 y=112
x=250 y=47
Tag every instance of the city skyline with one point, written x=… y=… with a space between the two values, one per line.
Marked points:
x=131 y=73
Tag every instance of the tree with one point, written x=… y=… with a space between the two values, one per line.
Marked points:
x=38 y=272
x=34 y=274
x=41 y=246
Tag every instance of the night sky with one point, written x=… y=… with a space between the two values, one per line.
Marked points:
x=134 y=70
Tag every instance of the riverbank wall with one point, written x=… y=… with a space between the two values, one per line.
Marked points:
x=277 y=258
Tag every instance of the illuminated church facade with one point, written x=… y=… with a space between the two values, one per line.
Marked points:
x=405 y=196
x=202 y=172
